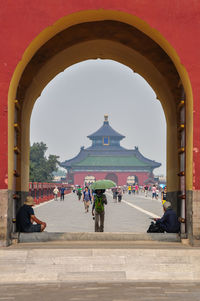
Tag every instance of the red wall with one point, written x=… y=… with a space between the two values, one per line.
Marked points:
x=79 y=177
x=21 y=21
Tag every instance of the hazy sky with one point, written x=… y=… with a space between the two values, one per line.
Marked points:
x=73 y=104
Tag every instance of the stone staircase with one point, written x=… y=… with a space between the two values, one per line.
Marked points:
x=99 y=261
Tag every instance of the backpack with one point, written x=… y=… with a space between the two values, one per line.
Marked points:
x=155 y=228
x=99 y=207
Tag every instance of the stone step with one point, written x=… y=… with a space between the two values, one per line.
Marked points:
x=87 y=236
x=37 y=265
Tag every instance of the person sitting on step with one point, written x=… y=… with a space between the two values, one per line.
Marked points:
x=26 y=218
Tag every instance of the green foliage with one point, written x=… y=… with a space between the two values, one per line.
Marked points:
x=41 y=168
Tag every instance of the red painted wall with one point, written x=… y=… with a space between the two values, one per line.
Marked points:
x=79 y=177
x=21 y=21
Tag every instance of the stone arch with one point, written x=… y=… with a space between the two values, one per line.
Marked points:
x=89 y=179
x=114 y=35
x=112 y=176
x=132 y=179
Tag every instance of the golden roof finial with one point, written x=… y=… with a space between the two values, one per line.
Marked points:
x=106 y=117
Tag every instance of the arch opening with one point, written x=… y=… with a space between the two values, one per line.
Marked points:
x=113 y=177
x=108 y=39
x=132 y=180
x=89 y=180
x=48 y=62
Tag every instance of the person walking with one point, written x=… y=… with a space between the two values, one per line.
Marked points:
x=98 y=206
x=146 y=190
x=119 y=196
x=86 y=199
x=137 y=188
x=157 y=193
x=79 y=192
x=62 y=193
x=164 y=195
x=133 y=189
x=115 y=193
x=55 y=193
x=154 y=192
x=26 y=218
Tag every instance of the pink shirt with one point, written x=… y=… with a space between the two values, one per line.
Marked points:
x=153 y=189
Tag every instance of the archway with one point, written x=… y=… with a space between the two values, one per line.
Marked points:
x=116 y=36
x=113 y=177
x=132 y=180
x=89 y=180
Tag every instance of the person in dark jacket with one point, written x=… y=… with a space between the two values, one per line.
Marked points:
x=26 y=219
x=62 y=193
x=169 y=221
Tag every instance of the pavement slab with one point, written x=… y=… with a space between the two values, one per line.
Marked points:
x=69 y=215
x=131 y=291
x=82 y=264
x=81 y=269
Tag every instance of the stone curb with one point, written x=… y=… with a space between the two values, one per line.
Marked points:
x=83 y=236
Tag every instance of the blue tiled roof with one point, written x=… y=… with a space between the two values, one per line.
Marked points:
x=88 y=152
x=106 y=130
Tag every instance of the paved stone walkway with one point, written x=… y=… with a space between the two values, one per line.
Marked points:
x=134 y=291
x=159 y=262
x=99 y=270
x=69 y=215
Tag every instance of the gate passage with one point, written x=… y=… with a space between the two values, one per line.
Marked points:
x=158 y=43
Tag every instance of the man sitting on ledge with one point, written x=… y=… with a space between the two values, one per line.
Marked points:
x=169 y=221
x=26 y=218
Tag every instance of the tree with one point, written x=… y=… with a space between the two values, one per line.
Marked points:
x=41 y=168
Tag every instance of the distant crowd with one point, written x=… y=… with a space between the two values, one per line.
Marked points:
x=169 y=222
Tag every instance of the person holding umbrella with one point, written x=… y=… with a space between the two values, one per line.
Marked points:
x=98 y=206
x=99 y=201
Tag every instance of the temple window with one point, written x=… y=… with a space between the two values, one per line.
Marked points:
x=106 y=141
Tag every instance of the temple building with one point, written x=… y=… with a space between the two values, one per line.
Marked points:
x=107 y=159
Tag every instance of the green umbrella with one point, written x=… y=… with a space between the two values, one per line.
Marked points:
x=102 y=184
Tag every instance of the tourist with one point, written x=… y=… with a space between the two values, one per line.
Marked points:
x=98 y=206
x=79 y=192
x=137 y=188
x=146 y=188
x=164 y=195
x=86 y=199
x=119 y=196
x=169 y=221
x=62 y=193
x=157 y=193
x=154 y=192
x=115 y=193
x=26 y=218
x=55 y=193
x=133 y=189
